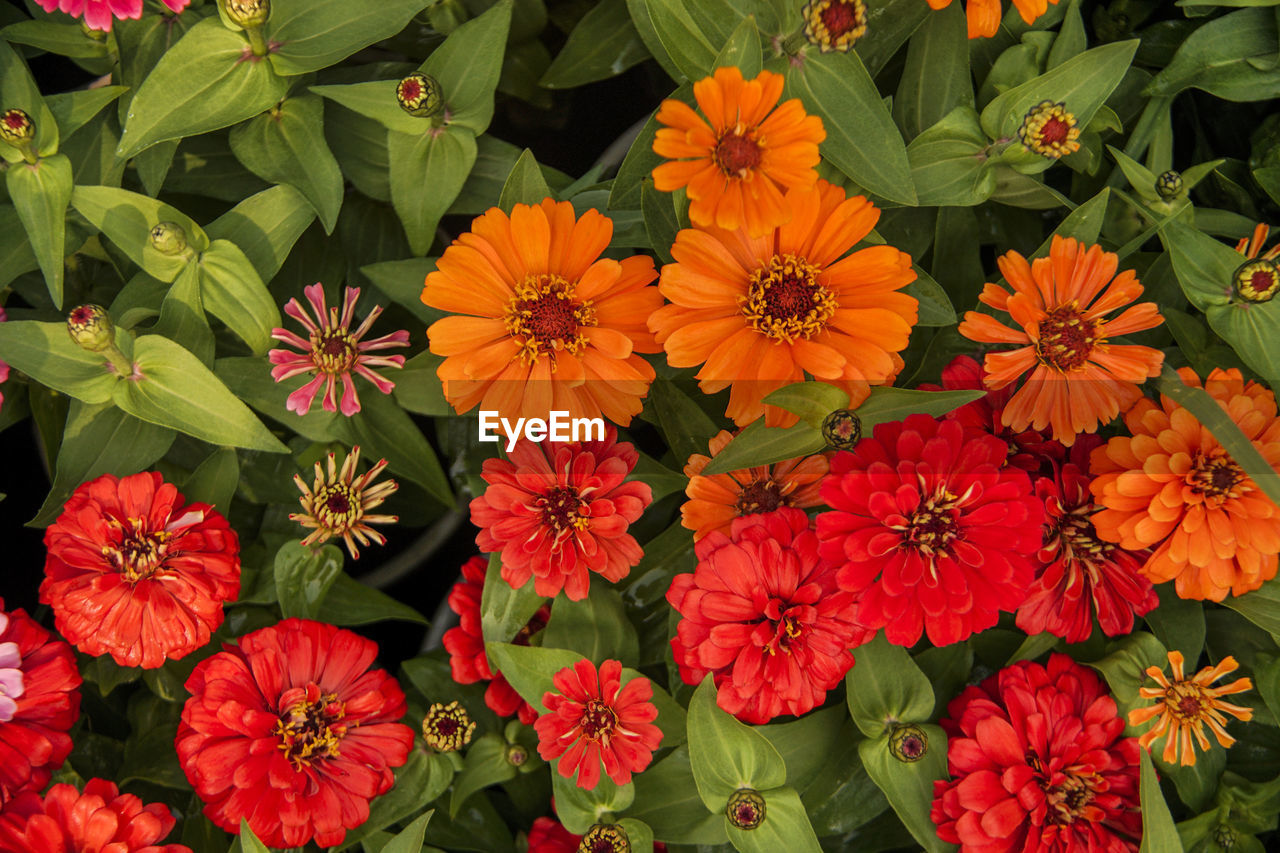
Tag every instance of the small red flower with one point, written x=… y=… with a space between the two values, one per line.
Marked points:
x=1039 y=764
x=133 y=573
x=39 y=702
x=98 y=14
x=1080 y=574
x=930 y=530
x=101 y=820
x=558 y=510
x=293 y=732
x=594 y=719
x=764 y=614
x=465 y=644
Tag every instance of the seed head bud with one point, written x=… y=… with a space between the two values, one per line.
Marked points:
x=842 y=429
x=17 y=128
x=249 y=13
x=605 y=838
x=1257 y=280
x=745 y=809
x=1224 y=836
x=834 y=25
x=420 y=95
x=909 y=743
x=169 y=238
x=517 y=755
x=91 y=328
x=447 y=728
x=1169 y=185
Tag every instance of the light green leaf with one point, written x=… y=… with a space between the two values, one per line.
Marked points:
x=18 y=90
x=422 y=778
x=402 y=282
x=726 y=755
x=182 y=316
x=579 y=808
x=596 y=627
x=1124 y=668
x=936 y=78
x=1072 y=39
x=127 y=218
x=214 y=480
x=409 y=839
x=468 y=65
x=265 y=226
x=303 y=576
x=786 y=826
x=1158 y=832
x=427 y=173
x=233 y=293
x=603 y=44
x=249 y=842
x=812 y=401
x=885 y=687
x=505 y=610
x=384 y=429
x=376 y=100
x=667 y=800
x=949 y=163
x=350 y=602
x=40 y=193
x=909 y=785
x=70 y=40
x=486 y=764
x=314 y=34
x=525 y=184
x=1232 y=57
x=762 y=445
x=743 y=49
x=73 y=110
x=692 y=50
x=46 y=353
x=1261 y=606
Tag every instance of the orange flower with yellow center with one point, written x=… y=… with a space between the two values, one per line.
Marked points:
x=1078 y=379
x=760 y=313
x=540 y=321
x=736 y=163
x=1185 y=706
x=1173 y=488
x=715 y=500
x=984 y=15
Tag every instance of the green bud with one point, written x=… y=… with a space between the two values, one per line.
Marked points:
x=17 y=128
x=420 y=95
x=1169 y=185
x=1256 y=280
x=169 y=238
x=249 y=13
x=842 y=429
x=517 y=755
x=745 y=809
x=91 y=328
x=909 y=743
x=605 y=836
x=1224 y=836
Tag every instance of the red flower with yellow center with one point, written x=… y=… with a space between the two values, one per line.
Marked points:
x=736 y=163
x=984 y=15
x=100 y=820
x=292 y=731
x=133 y=573
x=594 y=721
x=1079 y=379
x=761 y=313
x=1049 y=130
x=1184 y=706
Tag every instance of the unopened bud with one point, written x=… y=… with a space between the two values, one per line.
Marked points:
x=605 y=838
x=745 y=808
x=1257 y=280
x=908 y=743
x=447 y=728
x=17 y=128
x=842 y=429
x=91 y=328
x=249 y=13
x=834 y=24
x=1169 y=185
x=1224 y=836
x=169 y=238
x=517 y=755
x=420 y=95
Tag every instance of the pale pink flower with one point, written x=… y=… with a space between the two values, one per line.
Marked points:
x=98 y=14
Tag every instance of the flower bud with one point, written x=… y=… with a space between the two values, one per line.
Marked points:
x=1169 y=185
x=447 y=728
x=604 y=837
x=908 y=743
x=745 y=808
x=517 y=755
x=834 y=25
x=17 y=128
x=169 y=238
x=1224 y=836
x=1049 y=130
x=91 y=328
x=1257 y=280
x=420 y=95
x=842 y=429
x=249 y=13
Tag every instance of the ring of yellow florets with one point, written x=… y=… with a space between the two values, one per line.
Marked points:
x=834 y=24
x=1169 y=185
x=547 y=318
x=420 y=95
x=785 y=301
x=745 y=809
x=908 y=743
x=311 y=728
x=1049 y=130
x=447 y=728
x=16 y=127
x=842 y=429
x=338 y=507
x=1257 y=281
x=334 y=351
x=605 y=838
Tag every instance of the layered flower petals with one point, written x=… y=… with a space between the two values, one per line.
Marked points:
x=100 y=819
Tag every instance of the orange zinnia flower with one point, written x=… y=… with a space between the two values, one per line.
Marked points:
x=984 y=15
x=547 y=323
x=736 y=168
x=760 y=313
x=1173 y=488
x=1186 y=704
x=1078 y=379
x=716 y=500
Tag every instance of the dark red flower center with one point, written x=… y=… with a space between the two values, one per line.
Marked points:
x=737 y=153
x=1262 y=280
x=564 y=510
x=410 y=89
x=446 y=726
x=139 y=554
x=933 y=526
x=785 y=301
x=912 y=746
x=334 y=351
x=545 y=313
x=1217 y=477
x=605 y=838
x=840 y=18
x=15 y=120
x=1055 y=130
x=1073 y=533
x=761 y=496
x=1067 y=338
x=598 y=720
x=337 y=507
x=83 y=315
x=746 y=813
x=1070 y=801
x=310 y=725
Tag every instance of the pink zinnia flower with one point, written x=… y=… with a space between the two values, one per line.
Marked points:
x=98 y=14
x=333 y=351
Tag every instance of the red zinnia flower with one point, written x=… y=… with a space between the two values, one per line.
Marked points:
x=133 y=573
x=1039 y=764
x=465 y=644
x=595 y=720
x=101 y=820
x=98 y=14
x=39 y=702
x=1081 y=574
x=557 y=510
x=293 y=732
x=764 y=614
x=930 y=530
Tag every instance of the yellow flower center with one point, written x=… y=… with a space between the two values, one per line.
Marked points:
x=563 y=510
x=1067 y=338
x=310 y=726
x=598 y=720
x=333 y=351
x=1049 y=130
x=1187 y=701
x=545 y=314
x=1257 y=281
x=785 y=301
x=737 y=152
x=447 y=728
x=338 y=507
x=1217 y=478
x=140 y=554
x=603 y=838
x=834 y=24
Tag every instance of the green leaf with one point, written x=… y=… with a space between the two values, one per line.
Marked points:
x=1261 y=606
x=660 y=220
x=73 y=110
x=46 y=353
x=40 y=193
x=16 y=256
x=909 y=785
x=603 y=44
x=486 y=764
x=265 y=226
x=427 y=173
x=350 y=602
x=409 y=840
x=889 y=25
x=525 y=184
x=1178 y=623
x=177 y=391
x=935 y=305
x=1083 y=83
x=895 y=404
x=726 y=755
x=579 y=808
x=1158 y=832
x=762 y=445
x=640 y=161
x=376 y=100
x=468 y=65
x=812 y=401
x=202 y=83
x=1125 y=668
x=805 y=744
x=402 y=282
x=214 y=480
x=422 y=778
x=18 y=90
x=684 y=424
x=885 y=687
x=232 y=292
x=786 y=826
x=303 y=576
x=286 y=146
x=949 y=163
x=743 y=49
x=250 y=380
x=127 y=218
x=70 y=40
x=314 y=34
x=384 y=429
x=1072 y=39
x=596 y=627
x=691 y=49
x=667 y=800
x=1232 y=57
x=249 y=842
x=182 y=316
x=418 y=388
x=869 y=150
x=1204 y=267
x=505 y=610
x=936 y=78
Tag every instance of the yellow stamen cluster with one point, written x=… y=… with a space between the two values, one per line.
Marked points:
x=338 y=504
x=834 y=25
x=1049 y=130
x=311 y=727
x=548 y=318
x=1257 y=281
x=447 y=728
x=785 y=301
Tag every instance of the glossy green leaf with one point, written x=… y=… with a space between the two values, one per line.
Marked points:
x=468 y=65
x=47 y=354
x=127 y=218
x=303 y=576
x=409 y=839
x=726 y=755
x=427 y=173
x=909 y=785
x=525 y=184
x=486 y=764
x=350 y=602
x=232 y=292
x=885 y=687
x=596 y=627
x=1158 y=832
x=40 y=193
x=314 y=34
x=603 y=44
x=214 y=480
x=786 y=826
x=1232 y=57
x=265 y=226
x=182 y=316
x=742 y=50
x=949 y=164
x=936 y=78
x=383 y=429
x=202 y=83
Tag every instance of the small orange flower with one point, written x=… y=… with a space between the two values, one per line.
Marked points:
x=1258 y=278
x=760 y=313
x=1186 y=704
x=715 y=500
x=1078 y=379
x=984 y=15
x=1250 y=247
x=543 y=322
x=1173 y=488
x=736 y=168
